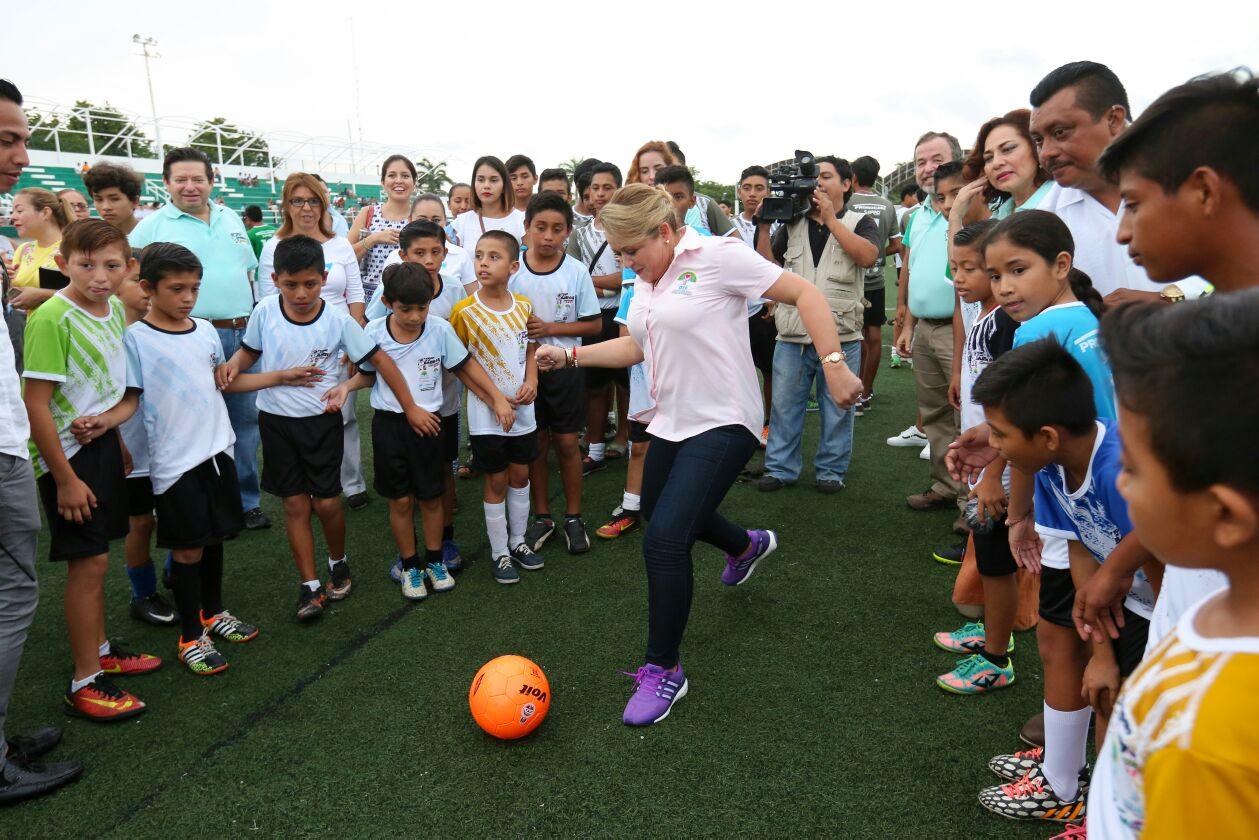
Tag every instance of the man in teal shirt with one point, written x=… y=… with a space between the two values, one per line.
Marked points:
x=924 y=319
x=218 y=238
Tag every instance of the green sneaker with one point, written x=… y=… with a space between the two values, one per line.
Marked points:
x=976 y=675
x=969 y=638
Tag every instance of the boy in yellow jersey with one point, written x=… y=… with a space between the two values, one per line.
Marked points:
x=492 y=325
x=1181 y=757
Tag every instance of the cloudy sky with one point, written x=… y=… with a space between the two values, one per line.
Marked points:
x=563 y=79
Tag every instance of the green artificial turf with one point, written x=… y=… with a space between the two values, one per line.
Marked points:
x=812 y=708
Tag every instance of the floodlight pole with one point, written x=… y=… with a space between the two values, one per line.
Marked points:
x=145 y=44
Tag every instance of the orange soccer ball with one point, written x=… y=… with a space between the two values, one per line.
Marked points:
x=509 y=697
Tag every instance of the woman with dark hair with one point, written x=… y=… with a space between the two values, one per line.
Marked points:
x=376 y=227
x=1004 y=169
x=493 y=205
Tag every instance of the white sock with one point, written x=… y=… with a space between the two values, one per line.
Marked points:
x=312 y=585
x=496 y=528
x=631 y=501
x=332 y=562
x=104 y=648
x=1066 y=738
x=596 y=451
x=75 y=685
x=517 y=514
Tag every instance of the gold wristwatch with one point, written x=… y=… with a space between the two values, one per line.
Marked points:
x=1172 y=293
x=832 y=358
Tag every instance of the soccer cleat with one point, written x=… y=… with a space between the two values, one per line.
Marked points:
x=413 y=588
x=339 y=583
x=912 y=436
x=976 y=675
x=395 y=571
x=591 y=465
x=504 y=571
x=969 y=638
x=950 y=555
x=895 y=360
x=575 y=535
x=1074 y=831
x=1032 y=798
x=451 y=556
x=154 y=610
x=526 y=559
x=623 y=521
x=128 y=664
x=1015 y=766
x=229 y=628
x=539 y=532
x=739 y=569
x=441 y=579
x=102 y=701
x=200 y=655
x=310 y=604
x=655 y=692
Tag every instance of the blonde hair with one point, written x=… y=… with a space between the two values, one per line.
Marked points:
x=659 y=147
x=635 y=213
x=62 y=213
x=316 y=187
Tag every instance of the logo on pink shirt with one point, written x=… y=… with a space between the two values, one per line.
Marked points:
x=684 y=283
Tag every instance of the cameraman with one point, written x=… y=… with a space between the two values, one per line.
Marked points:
x=830 y=247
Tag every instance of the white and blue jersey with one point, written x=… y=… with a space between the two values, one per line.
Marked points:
x=1094 y=513
x=1075 y=327
x=564 y=295
x=423 y=363
x=283 y=343
x=183 y=413
x=641 y=405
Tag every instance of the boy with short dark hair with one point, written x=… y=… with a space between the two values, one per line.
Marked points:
x=494 y=325
x=556 y=181
x=75 y=380
x=1179 y=758
x=705 y=216
x=865 y=171
x=256 y=229
x=563 y=310
x=582 y=212
x=753 y=187
x=115 y=190
x=1038 y=402
x=300 y=428
x=522 y=176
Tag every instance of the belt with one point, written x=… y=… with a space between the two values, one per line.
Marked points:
x=230 y=323
x=935 y=322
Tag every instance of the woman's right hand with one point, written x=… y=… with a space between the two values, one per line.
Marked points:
x=965 y=198
x=550 y=357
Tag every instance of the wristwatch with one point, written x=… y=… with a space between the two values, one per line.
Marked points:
x=1172 y=293
x=832 y=358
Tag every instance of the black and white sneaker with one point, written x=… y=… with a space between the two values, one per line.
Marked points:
x=154 y=610
x=526 y=559
x=539 y=532
x=575 y=535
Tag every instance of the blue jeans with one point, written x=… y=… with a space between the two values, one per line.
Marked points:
x=683 y=483
x=242 y=412
x=796 y=369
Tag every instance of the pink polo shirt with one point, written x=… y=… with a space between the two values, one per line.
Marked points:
x=693 y=327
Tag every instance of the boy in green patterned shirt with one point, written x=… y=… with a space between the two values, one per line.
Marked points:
x=75 y=381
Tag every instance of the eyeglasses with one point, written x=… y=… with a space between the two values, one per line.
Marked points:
x=299 y=203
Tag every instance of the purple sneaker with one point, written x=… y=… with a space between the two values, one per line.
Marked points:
x=655 y=693
x=739 y=569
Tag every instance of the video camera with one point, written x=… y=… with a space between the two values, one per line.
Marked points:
x=790 y=190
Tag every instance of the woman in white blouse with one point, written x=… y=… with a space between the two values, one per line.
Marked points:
x=304 y=212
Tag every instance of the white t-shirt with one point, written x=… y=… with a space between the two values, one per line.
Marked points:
x=15 y=431
x=591 y=240
x=283 y=343
x=184 y=416
x=344 y=284
x=422 y=363
x=1181 y=589
x=468 y=228
x=564 y=295
x=499 y=341
x=136 y=439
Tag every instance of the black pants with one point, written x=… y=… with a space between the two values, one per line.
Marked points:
x=683 y=483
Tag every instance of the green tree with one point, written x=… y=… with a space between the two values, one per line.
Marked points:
x=433 y=177
x=111 y=132
x=716 y=191
x=570 y=165
x=238 y=146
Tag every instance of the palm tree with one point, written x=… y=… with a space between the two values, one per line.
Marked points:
x=570 y=165
x=432 y=176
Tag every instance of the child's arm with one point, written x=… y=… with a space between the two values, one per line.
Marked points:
x=1101 y=676
x=541 y=329
x=990 y=491
x=88 y=428
x=336 y=396
x=1024 y=541
x=301 y=377
x=423 y=422
x=242 y=359
x=471 y=373
x=529 y=388
x=1098 y=610
x=74 y=499
x=959 y=341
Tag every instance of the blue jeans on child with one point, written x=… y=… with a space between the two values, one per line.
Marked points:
x=796 y=369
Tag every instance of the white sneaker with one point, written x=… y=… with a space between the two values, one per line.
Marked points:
x=413 y=588
x=442 y=581
x=925 y=454
x=912 y=436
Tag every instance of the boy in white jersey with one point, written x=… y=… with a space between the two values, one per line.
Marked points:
x=408 y=465
x=172 y=359
x=76 y=370
x=564 y=309
x=300 y=429
x=493 y=324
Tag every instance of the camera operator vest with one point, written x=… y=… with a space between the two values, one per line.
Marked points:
x=836 y=275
